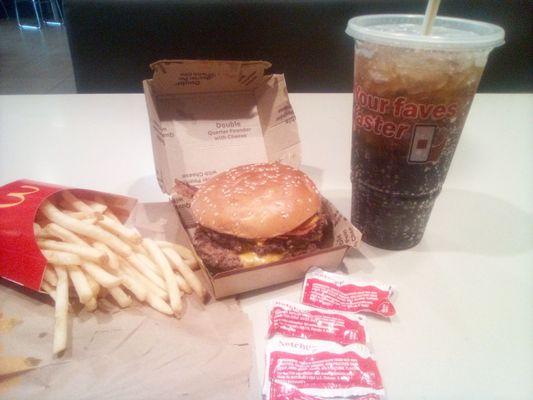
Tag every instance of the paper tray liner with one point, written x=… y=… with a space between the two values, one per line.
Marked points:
x=132 y=353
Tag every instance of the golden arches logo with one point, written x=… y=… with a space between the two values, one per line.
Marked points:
x=20 y=196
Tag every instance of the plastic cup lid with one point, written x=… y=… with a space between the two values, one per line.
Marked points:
x=404 y=30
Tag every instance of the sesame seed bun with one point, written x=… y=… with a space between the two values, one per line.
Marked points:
x=256 y=201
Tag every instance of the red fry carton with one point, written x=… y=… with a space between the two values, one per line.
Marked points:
x=21 y=260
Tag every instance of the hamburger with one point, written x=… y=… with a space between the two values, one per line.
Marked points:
x=258 y=214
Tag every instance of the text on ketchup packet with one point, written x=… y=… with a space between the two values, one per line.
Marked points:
x=323 y=369
x=297 y=320
x=341 y=293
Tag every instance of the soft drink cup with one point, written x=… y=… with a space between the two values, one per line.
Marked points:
x=412 y=94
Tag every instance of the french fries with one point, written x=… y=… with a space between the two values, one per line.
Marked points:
x=61 y=310
x=134 y=286
x=84 y=229
x=100 y=275
x=77 y=204
x=61 y=258
x=89 y=248
x=148 y=284
x=186 y=254
x=157 y=303
x=95 y=287
x=65 y=235
x=50 y=276
x=81 y=285
x=127 y=234
x=110 y=214
x=187 y=273
x=97 y=206
x=91 y=305
x=144 y=268
x=182 y=284
x=120 y=296
x=49 y=289
x=87 y=252
x=112 y=259
x=170 y=280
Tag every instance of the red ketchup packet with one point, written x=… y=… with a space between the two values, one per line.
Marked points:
x=342 y=293
x=321 y=369
x=300 y=321
x=281 y=391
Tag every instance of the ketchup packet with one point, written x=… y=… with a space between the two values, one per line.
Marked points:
x=342 y=293
x=300 y=321
x=279 y=391
x=320 y=368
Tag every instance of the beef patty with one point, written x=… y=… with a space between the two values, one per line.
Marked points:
x=220 y=252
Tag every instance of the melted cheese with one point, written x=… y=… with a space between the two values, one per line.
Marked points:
x=252 y=259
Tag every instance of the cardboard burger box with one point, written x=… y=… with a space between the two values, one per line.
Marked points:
x=21 y=260
x=209 y=116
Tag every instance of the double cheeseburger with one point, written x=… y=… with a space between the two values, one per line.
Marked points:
x=257 y=214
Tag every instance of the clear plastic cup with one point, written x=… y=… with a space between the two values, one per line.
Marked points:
x=412 y=94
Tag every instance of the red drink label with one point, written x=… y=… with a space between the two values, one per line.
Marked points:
x=337 y=292
x=297 y=320
x=21 y=260
x=417 y=128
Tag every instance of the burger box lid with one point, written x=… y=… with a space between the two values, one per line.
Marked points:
x=209 y=116
x=21 y=260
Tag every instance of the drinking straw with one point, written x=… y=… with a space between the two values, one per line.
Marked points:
x=431 y=12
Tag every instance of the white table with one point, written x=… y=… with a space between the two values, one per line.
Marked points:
x=464 y=328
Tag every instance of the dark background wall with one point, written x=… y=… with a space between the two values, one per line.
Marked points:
x=26 y=8
x=112 y=42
